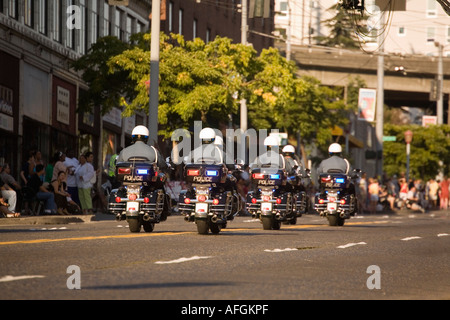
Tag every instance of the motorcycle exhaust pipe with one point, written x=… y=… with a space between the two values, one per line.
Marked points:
x=186 y=218
x=118 y=217
x=214 y=218
x=342 y=215
x=146 y=217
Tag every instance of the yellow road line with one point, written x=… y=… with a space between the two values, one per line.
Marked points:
x=141 y=235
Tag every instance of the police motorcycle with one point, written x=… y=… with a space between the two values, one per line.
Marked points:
x=211 y=198
x=296 y=177
x=141 y=199
x=271 y=199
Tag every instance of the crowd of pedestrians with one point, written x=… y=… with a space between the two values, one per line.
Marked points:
x=63 y=185
x=392 y=193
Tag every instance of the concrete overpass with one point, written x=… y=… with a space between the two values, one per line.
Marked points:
x=409 y=87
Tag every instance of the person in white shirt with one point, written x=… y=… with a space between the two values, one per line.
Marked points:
x=72 y=164
x=85 y=174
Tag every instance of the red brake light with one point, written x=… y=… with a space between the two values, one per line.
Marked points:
x=216 y=201
x=132 y=197
x=278 y=200
x=254 y=200
x=326 y=179
x=124 y=170
x=266 y=198
x=321 y=201
x=146 y=200
x=187 y=200
x=193 y=172
x=258 y=176
x=201 y=198
x=342 y=201
x=118 y=199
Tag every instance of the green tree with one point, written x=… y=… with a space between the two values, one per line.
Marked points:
x=430 y=151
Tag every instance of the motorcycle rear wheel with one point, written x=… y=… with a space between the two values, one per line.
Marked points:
x=335 y=220
x=134 y=224
x=269 y=223
x=202 y=226
x=148 y=226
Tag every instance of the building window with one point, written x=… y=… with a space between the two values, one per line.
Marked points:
x=28 y=12
x=180 y=21
x=117 y=23
x=431 y=31
x=170 y=16
x=12 y=8
x=70 y=32
x=56 y=27
x=106 y=23
x=42 y=18
x=401 y=31
x=431 y=9
x=93 y=20
x=208 y=35
x=194 y=29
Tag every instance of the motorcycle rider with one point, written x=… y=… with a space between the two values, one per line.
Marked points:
x=337 y=164
x=272 y=158
x=145 y=153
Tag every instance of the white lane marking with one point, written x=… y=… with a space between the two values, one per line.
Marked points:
x=48 y=229
x=13 y=278
x=442 y=234
x=281 y=250
x=348 y=245
x=410 y=238
x=182 y=260
x=252 y=220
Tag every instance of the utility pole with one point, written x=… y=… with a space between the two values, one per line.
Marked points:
x=243 y=101
x=154 y=74
x=440 y=87
x=289 y=33
x=380 y=99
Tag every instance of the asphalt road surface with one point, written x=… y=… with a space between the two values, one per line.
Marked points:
x=399 y=256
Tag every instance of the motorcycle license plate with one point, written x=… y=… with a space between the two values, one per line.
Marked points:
x=266 y=206
x=201 y=207
x=132 y=206
x=332 y=206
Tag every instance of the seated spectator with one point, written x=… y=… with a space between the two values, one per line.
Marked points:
x=8 y=194
x=42 y=193
x=61 y=194
x=413 y=201
x=4 y=211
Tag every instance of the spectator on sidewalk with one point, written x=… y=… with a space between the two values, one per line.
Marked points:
x=40 y=191
x=85 y=176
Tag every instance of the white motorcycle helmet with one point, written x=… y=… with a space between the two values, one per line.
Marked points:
x=288 y=149
x=207 y=135
x=140 y=133
x=335 y=148
x=271 y=141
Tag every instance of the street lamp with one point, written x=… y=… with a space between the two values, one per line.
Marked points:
x=408 y=139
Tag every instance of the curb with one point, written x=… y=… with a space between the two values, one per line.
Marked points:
x=48 y=219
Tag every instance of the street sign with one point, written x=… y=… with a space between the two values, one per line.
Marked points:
x=389 y=138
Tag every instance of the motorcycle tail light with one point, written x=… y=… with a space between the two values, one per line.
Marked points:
x=193 y=172
x=187 y=200
x=325 y=179
x=216 y=201
x=266 y=198
x=278 y=200
x=118 y=199
x=332 y=199
x=321 y=201
x=132 y=197
x=342 y=201
x=146 y=200
x=201 y=198
x=124 y=170
x=258 y=176
x=254 y=200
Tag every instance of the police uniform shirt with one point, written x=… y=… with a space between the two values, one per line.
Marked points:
x=334 y=163
x=142 y=150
